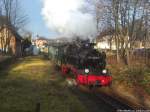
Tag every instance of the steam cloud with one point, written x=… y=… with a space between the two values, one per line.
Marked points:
x=67 y=18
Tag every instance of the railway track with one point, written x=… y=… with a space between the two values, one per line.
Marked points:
x=91 y=102
x=113 y=102
x=101 y=100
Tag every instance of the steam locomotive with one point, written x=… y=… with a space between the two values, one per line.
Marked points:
x=81 y=59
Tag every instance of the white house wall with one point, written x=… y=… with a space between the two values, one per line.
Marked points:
x=105 y=45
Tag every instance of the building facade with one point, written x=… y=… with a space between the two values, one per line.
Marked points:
x=10 y=41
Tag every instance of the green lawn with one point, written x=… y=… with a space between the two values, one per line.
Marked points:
x=32 y=81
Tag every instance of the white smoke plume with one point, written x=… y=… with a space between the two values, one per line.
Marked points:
x=66 y=18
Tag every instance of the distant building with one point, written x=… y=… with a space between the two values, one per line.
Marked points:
x=40 y=42
x=106 y=41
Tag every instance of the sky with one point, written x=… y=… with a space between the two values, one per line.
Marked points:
x=70 y=18
x=63 y=16
x=36 y=22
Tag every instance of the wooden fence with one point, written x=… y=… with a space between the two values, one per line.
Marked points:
x=142 y=58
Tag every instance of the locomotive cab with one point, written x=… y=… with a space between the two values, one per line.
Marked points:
x=92 y=68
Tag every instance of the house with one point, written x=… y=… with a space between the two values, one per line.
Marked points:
x=106 y=40
x=10 y=40
x=40 y=42
x=106 y=43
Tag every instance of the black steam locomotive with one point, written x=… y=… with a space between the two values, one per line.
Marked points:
x=86 y=63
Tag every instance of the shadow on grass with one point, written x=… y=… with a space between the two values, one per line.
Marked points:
x=6 y=63
x=41 y=91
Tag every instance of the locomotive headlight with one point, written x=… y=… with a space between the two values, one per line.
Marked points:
x=104 y=71
x=87 y=70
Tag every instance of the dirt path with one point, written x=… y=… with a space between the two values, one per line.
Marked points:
x=32 y=85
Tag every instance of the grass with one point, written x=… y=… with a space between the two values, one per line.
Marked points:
x=32 y=82
x=132 y=84
x=129 y=76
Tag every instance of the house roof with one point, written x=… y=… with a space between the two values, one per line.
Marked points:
x=5 y=23
x=106 y=32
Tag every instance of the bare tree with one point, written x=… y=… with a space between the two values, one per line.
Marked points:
x=14 y=13
x=14 y=19
x=127 y=18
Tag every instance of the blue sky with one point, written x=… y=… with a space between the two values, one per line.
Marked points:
x=36 y=23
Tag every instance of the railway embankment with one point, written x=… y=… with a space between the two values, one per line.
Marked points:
x=131 y=85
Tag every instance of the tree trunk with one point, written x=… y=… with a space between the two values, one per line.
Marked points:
x=128 y=57
x=117 y=48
